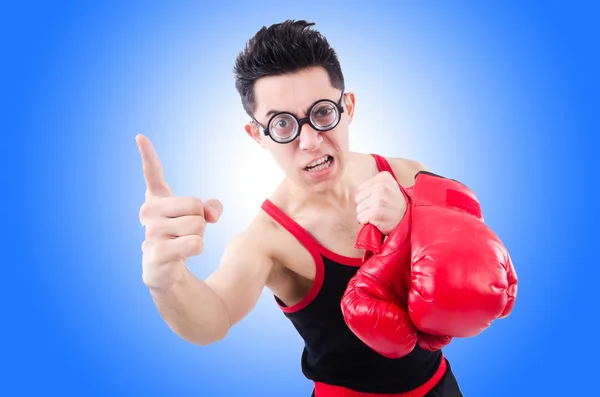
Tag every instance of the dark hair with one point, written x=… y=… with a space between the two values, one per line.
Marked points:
x=286 y=47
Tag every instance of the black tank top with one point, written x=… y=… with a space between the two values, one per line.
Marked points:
x=333 y=354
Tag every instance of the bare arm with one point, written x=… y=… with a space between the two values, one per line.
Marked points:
x=203 y=312
x=243 y=274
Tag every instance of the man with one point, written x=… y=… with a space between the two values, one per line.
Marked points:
x=301 y=245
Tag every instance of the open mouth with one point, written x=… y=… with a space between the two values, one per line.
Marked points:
x=320 y=164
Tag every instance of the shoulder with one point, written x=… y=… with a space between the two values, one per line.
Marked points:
x=250 y=252
x=261 y=239
x=406 y=169
x=269 y=245
x=256 y=237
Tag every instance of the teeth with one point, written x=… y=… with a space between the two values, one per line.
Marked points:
x=320 y=167
x=317 y=162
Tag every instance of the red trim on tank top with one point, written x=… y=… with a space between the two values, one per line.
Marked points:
x=383 y=164
x=313 y=247
x=305 y=238
x=316 y=249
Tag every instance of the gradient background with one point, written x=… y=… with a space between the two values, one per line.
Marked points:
x=502 y=97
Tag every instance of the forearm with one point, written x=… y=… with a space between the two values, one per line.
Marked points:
x=193 y=310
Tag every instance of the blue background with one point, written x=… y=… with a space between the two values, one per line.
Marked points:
x=503 y=97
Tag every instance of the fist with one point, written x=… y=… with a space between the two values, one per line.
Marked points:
x=174 y=225
x=380 y=202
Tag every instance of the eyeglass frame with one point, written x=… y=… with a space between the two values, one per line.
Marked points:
x=340 y=106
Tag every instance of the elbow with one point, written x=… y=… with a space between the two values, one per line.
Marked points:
x=207 y=341
x=205 y=338
x=201 y=341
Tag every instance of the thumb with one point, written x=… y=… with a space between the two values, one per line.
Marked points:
x=212 y=210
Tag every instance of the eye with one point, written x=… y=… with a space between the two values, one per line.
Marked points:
x=283 y=126
x=323 y=111
x=324 y=115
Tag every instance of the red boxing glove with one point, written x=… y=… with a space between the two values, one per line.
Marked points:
x=462 y=275
x=375 y=303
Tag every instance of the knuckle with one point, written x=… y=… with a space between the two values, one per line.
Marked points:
x=196 y=244
x=153 y=229
x=383 y=175
x=197 y=205
x=145 y=211
x=150 y=209
x=200 y=225
x=363 y=217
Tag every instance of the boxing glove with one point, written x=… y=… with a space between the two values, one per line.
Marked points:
x=375 y=303
x=462 y=277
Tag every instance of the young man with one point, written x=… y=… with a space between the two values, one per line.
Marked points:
x=302 y=244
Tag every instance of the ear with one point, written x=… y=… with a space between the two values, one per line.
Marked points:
x=253 y=131
x=350 y=103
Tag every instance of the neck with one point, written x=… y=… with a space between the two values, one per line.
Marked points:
x=342 y=193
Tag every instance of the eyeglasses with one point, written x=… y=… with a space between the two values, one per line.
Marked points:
x=323 y=115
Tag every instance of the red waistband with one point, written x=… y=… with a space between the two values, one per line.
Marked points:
x=325 y=390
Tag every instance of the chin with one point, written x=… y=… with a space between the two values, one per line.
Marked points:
x=323 y=177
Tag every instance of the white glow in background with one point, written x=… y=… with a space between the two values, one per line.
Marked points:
x=490 y=96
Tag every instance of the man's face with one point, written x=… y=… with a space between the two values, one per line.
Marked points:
x=295 y=93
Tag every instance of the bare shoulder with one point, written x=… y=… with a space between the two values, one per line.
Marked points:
x=255 y=239
x=267 y=247
x=406 y=169
x=246 y=266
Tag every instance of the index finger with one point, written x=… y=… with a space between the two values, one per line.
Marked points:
x=156 y=186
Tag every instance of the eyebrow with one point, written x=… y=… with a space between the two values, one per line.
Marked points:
x=271 y=112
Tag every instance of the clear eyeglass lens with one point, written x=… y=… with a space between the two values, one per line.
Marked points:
x=324 y=115
x=283 y=127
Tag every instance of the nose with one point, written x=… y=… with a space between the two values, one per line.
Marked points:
x=309 y=138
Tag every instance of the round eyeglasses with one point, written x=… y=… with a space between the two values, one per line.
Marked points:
x=323 y=115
